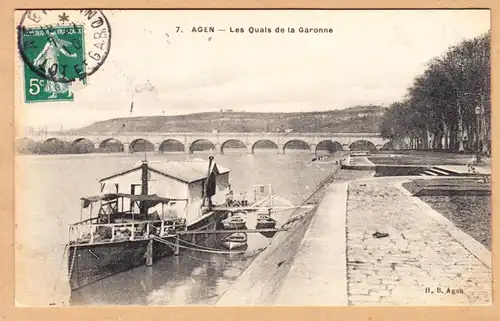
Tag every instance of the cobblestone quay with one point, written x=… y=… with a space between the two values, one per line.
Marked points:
x=418 y=263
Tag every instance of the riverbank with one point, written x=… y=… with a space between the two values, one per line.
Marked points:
x=278 y=268
x=318 y=273
x=368 y=243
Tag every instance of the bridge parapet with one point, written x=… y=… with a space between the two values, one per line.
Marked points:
x=198 y=134
x=217 y=139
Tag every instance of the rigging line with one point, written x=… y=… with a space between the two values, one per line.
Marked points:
x=198 y=245
x=95 y=255
x=193 y=249
x=248 y=255
x=201 y=250
x=72 y=262
x=211 y=248
x=61 y=267
x=321 y=186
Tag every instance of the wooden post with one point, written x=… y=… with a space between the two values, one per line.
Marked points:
x=176 y=250
x=149 y=279
x=149 y=253
x=81 y=210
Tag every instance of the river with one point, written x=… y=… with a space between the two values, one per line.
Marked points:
x=47 y=200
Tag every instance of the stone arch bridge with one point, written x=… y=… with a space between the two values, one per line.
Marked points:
x=343 y=141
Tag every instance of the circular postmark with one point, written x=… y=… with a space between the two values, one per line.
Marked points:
x=64 y=45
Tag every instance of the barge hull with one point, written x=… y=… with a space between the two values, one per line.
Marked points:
x=94 y=262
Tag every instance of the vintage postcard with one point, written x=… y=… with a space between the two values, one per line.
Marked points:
x=252 y=157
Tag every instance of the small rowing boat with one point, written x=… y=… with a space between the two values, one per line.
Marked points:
x=235 y=222
x=234 y=241
x=266 y=221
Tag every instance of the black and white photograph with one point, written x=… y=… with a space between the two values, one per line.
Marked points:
x=252 y=157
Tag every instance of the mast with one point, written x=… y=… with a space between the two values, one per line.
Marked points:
x=205 y=184
x=144 y=187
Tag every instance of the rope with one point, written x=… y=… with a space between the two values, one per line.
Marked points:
x=199 y=250
x=72 y=263
x=321 y=185
x=200 y=246
x=60 y=268
x=212 y=250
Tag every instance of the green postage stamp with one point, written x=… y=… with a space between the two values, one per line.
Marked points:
x=59 y=47
x=58 y=50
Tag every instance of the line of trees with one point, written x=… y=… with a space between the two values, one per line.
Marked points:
x=53 y=147
x=439 y=110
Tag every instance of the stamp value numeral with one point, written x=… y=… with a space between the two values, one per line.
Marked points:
x=35 y=86
x=58 y=48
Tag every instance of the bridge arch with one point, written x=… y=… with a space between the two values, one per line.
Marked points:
x=141 y=145
x=296 y=144
x=112 y=145
x=328 y=147
x=201 y=145
x=171 y=145
x=233 y=144
x=26 y=145
x=53 y=145
x=82 y=146
x=53 y=140
x=362 y=144
x=264 y=144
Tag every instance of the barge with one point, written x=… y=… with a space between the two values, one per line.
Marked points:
x=128 y=214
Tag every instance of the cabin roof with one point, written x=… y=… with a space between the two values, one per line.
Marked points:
x=112 y=196
x=184 y=171
x=152 y=199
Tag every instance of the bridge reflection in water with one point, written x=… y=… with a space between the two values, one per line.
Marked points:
x=214 y=142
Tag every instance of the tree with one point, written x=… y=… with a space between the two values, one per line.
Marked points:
x=438 y=110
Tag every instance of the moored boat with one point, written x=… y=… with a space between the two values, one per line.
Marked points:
x=234 y=241
x=265 y=221
x=118 y=237
x=331 y=159
x=235 y=221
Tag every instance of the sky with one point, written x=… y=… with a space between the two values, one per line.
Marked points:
x=371 y=57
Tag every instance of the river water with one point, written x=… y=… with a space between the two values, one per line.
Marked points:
x=47 y=200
